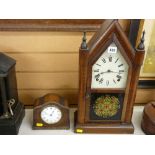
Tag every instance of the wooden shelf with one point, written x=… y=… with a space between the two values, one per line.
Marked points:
x=50 y=24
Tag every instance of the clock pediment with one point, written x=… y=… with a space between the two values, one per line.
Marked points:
x=109 y=32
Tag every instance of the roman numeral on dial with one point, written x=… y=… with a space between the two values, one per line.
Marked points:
x=98 y=64
x=121 y=71
x=120 y=65
x=101 y=81
x=114 y=81
x=97 y=77
x=110 y=58
x=107 y=82
x=104 y=60
x=118 y=76
x=116 y=60
x=96 y=70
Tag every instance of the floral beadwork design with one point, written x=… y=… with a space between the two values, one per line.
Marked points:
x=106 y=106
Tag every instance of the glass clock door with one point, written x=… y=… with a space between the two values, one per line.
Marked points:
x=109 y=73
x=110 y=70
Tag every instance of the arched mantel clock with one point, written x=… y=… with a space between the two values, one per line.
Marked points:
x=109 y=72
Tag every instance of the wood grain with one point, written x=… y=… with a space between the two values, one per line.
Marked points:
x=50 y=24
x=55 y=24
x=47 y=80
x=27 y=97
x=46 y=62
x=145 y=95
x=45 y=42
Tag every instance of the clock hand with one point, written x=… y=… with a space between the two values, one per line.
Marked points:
x=103 y=72
x=109 y=71
x=117 y=72
x=51 y=113
x=114 y=72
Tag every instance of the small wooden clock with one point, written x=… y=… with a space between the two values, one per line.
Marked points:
x=109 y=71
x=51 y=112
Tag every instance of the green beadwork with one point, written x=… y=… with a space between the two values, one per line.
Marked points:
x=106 y=106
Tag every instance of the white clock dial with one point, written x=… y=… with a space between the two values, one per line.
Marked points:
x=110 y=70
x=51 y=115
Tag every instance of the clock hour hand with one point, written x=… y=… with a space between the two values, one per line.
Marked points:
x=103 y=72
x=51 y=113
x=108 y=71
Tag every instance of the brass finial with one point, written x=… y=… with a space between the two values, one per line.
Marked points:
x=84 y=44
x=141 y=44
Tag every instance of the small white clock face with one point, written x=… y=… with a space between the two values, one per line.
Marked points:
x=51 y=115
x=110 y=70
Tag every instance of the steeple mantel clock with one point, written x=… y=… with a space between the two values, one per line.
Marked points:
x=109 y=69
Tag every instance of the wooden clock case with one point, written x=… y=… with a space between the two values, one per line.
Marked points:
x=45 y=101
x=109 y=32
x=148 y=119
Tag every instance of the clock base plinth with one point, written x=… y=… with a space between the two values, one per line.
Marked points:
x=34 y=127
x=112 y=128
x=11 y=125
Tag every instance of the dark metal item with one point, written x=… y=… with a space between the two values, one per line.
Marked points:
x=146 y=84
x=105 y=103
x=148 y=120
x=141 y=45
x=11 y=110
x=133 y=32
x=84 y=43
x=51 y=112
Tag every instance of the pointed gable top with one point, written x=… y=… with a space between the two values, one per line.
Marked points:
x=6 y=63
x=100 y=32
x=108 y=28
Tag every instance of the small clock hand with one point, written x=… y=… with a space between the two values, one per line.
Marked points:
x=103 y=72
x=51 y=113
x=108 y=71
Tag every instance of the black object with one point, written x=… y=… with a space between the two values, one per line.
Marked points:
x=133 y=31
x=11 y=110
x=146 y=84
x=84 y=43
x=141 y=45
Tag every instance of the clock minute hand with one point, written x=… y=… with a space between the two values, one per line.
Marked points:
x=116 y=72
